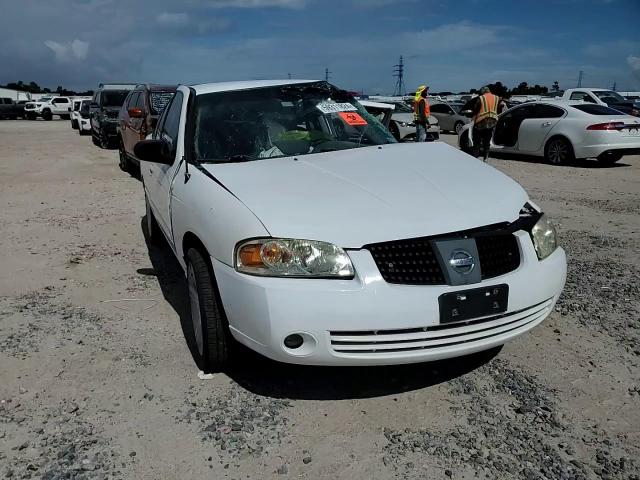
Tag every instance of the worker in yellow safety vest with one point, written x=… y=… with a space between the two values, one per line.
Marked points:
x=421 y=112
x=485 y=116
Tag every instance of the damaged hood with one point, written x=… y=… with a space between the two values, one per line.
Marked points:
x=373 y=194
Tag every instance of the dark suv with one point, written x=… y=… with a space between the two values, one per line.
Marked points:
x=138 y=117
x=105 y=104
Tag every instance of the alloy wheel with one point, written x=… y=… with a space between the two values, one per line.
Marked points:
x=558 y=152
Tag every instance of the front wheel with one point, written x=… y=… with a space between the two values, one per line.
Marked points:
x=458 y=127
x=46 y=115
x=123 y=160
x=558 y=151
x=94 y=138
x=210 y=333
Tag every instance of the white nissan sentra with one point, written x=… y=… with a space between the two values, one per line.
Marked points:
x=309 y=235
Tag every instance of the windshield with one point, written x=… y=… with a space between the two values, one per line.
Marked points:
x=402 y=107
x=455 y=107
x=608 y=96
x=44 y=99
x=159 y=100
x=76 y=105
x=280 y=121
x=113 y=98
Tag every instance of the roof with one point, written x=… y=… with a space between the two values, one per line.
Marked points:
x=154 y=87
x=382 y=106
x=244 y=85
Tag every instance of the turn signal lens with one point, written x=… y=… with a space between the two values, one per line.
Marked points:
x=271 y=257
x=249 y=255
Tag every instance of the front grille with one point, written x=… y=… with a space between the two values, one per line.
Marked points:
x=436 y=338
x=410 y=262
x=499 y=254
x=112 y=114
x=414 y=262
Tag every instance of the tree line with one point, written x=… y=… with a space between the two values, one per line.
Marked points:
x=523 y=88
x=33 y=87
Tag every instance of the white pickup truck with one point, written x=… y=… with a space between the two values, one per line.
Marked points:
x=602 y=96
x=47 y=107
x=308 y=234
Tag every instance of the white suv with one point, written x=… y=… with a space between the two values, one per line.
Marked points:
x=75 y=111
x=47 y=107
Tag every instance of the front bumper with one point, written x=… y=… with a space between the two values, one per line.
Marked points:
x=84 y=124
x=367 y=321
x=110 y=129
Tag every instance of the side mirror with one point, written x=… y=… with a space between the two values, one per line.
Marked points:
x=155 y=150
x=136 y=112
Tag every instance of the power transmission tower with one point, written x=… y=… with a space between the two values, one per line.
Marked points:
x=580 y=76
x=327 y=74
x=398 y=72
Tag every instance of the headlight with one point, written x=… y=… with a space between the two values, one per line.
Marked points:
x=544 y=239
x=283 y=257
x=408 y=124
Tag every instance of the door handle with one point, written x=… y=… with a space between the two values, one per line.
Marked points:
x=546 y=124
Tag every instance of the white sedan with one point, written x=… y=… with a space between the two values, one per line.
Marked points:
x=310 y=236
x=562 y=131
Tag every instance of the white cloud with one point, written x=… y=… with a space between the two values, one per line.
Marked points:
x=172 y=19
x=634 y=64
x=69 y=51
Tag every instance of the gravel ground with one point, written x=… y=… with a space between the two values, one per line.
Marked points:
x=97 y=380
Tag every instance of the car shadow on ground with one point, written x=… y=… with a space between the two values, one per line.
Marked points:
x=269 y=378
x=583 y=163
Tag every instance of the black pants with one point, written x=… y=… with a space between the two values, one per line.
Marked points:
x=484 y=140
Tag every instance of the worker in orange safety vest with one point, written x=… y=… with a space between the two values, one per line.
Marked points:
x=485 y=116
x=421 y=112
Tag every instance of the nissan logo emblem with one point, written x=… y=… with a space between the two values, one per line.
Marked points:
x=462 y=262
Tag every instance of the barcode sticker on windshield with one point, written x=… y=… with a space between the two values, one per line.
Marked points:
x=327 y=107
x=353 y=119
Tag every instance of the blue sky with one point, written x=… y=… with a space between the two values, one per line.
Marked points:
x=447 y=45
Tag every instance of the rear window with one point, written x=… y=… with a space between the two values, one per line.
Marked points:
x=159 y=100
x=597 y=110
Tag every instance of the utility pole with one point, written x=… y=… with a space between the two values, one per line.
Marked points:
x=327 y=74
x=614 y=86
x=289 y=75
x=580 y=76
x=398 y=72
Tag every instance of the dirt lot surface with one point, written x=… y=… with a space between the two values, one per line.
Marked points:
x=97 y=380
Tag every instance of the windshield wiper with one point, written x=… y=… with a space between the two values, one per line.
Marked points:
x=228 y=159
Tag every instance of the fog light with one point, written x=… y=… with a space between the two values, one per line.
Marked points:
x=293 y=341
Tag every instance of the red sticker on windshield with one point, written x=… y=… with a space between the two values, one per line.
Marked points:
x=352 y=118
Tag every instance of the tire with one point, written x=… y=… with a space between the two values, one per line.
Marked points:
x=94 y=138
x=104 y=141
x=46 y=115
x=210 y=332
x=393 y=128
x=123 y=162
x=74 y=124
x=558 y=151
x=31 y=116
x=154 y=235
x=458 y=127
x=65 y=117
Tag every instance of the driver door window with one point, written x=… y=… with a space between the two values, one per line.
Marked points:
x=171 y=123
